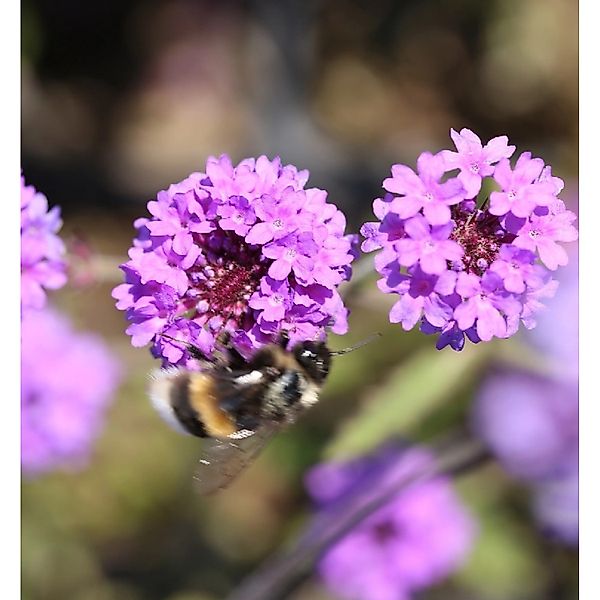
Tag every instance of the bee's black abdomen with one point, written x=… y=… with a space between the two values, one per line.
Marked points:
x=186 y=415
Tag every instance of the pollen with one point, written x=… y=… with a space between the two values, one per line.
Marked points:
x=480 y=241
x=224 y=285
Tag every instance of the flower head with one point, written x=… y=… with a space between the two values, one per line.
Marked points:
x=67 y=383
x=42 y=251
x=246 y=249
x=529 y=421
x=556 y=504
x=489 y=265
x=557 y=332
x=415 y=540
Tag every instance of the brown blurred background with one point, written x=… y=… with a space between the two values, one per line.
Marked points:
x=120 y=99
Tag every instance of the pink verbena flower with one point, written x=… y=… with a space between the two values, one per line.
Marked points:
x=500 y=253
x=424 y=191
x=474 y=160
x=412 y=542
x=246 y=249
x=67 y=382
x=42 y=251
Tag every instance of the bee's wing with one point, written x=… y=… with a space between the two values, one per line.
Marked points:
x=223 y=460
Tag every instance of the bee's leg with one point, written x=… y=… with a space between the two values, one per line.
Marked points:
x=247 y=422
x=224 y=339
x=194 y=351
x=236 y=405
x=283 y=337
x=234 y=359
x=231 y=403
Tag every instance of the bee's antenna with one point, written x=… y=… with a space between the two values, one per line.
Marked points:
x=170 y=337
x=193 y=350
x=358 y=345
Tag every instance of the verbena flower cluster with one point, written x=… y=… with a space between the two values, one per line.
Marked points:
x=67 y=379
x=416 y=540
x=462 y=265
x=531 y=420
x=42 y=251
x=67 y=383
x=246 y=249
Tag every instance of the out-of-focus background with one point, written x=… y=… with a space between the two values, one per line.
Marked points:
x=120 y=99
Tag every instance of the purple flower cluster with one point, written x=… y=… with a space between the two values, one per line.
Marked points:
x=67 y=381
x=530 y=420
x=42 y=251
x=416 y=540
x=463 y=268
x=246 y=249
x=556 y=503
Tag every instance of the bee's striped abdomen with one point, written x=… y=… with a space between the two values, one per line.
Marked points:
x=190 y=402
x=185 y=413
x=203 y=400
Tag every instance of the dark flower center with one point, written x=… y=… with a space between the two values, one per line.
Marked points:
x=385 y=531
x=227 y=280
x=231 y=286
x=480 y=235
x=421 y=287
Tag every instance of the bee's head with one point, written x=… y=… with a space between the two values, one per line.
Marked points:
x=314 y=358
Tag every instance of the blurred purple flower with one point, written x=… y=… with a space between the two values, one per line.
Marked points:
x=503 y=252
x=42 y=251
x=529 y=421
x=67 y=383
x=242 y=248
x=556 y=504
x=557 y=331
x=416 y=540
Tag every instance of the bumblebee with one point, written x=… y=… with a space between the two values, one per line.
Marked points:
x=238 y=404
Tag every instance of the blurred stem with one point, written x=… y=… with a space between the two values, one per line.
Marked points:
x=98 y=268
x=282 y=574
